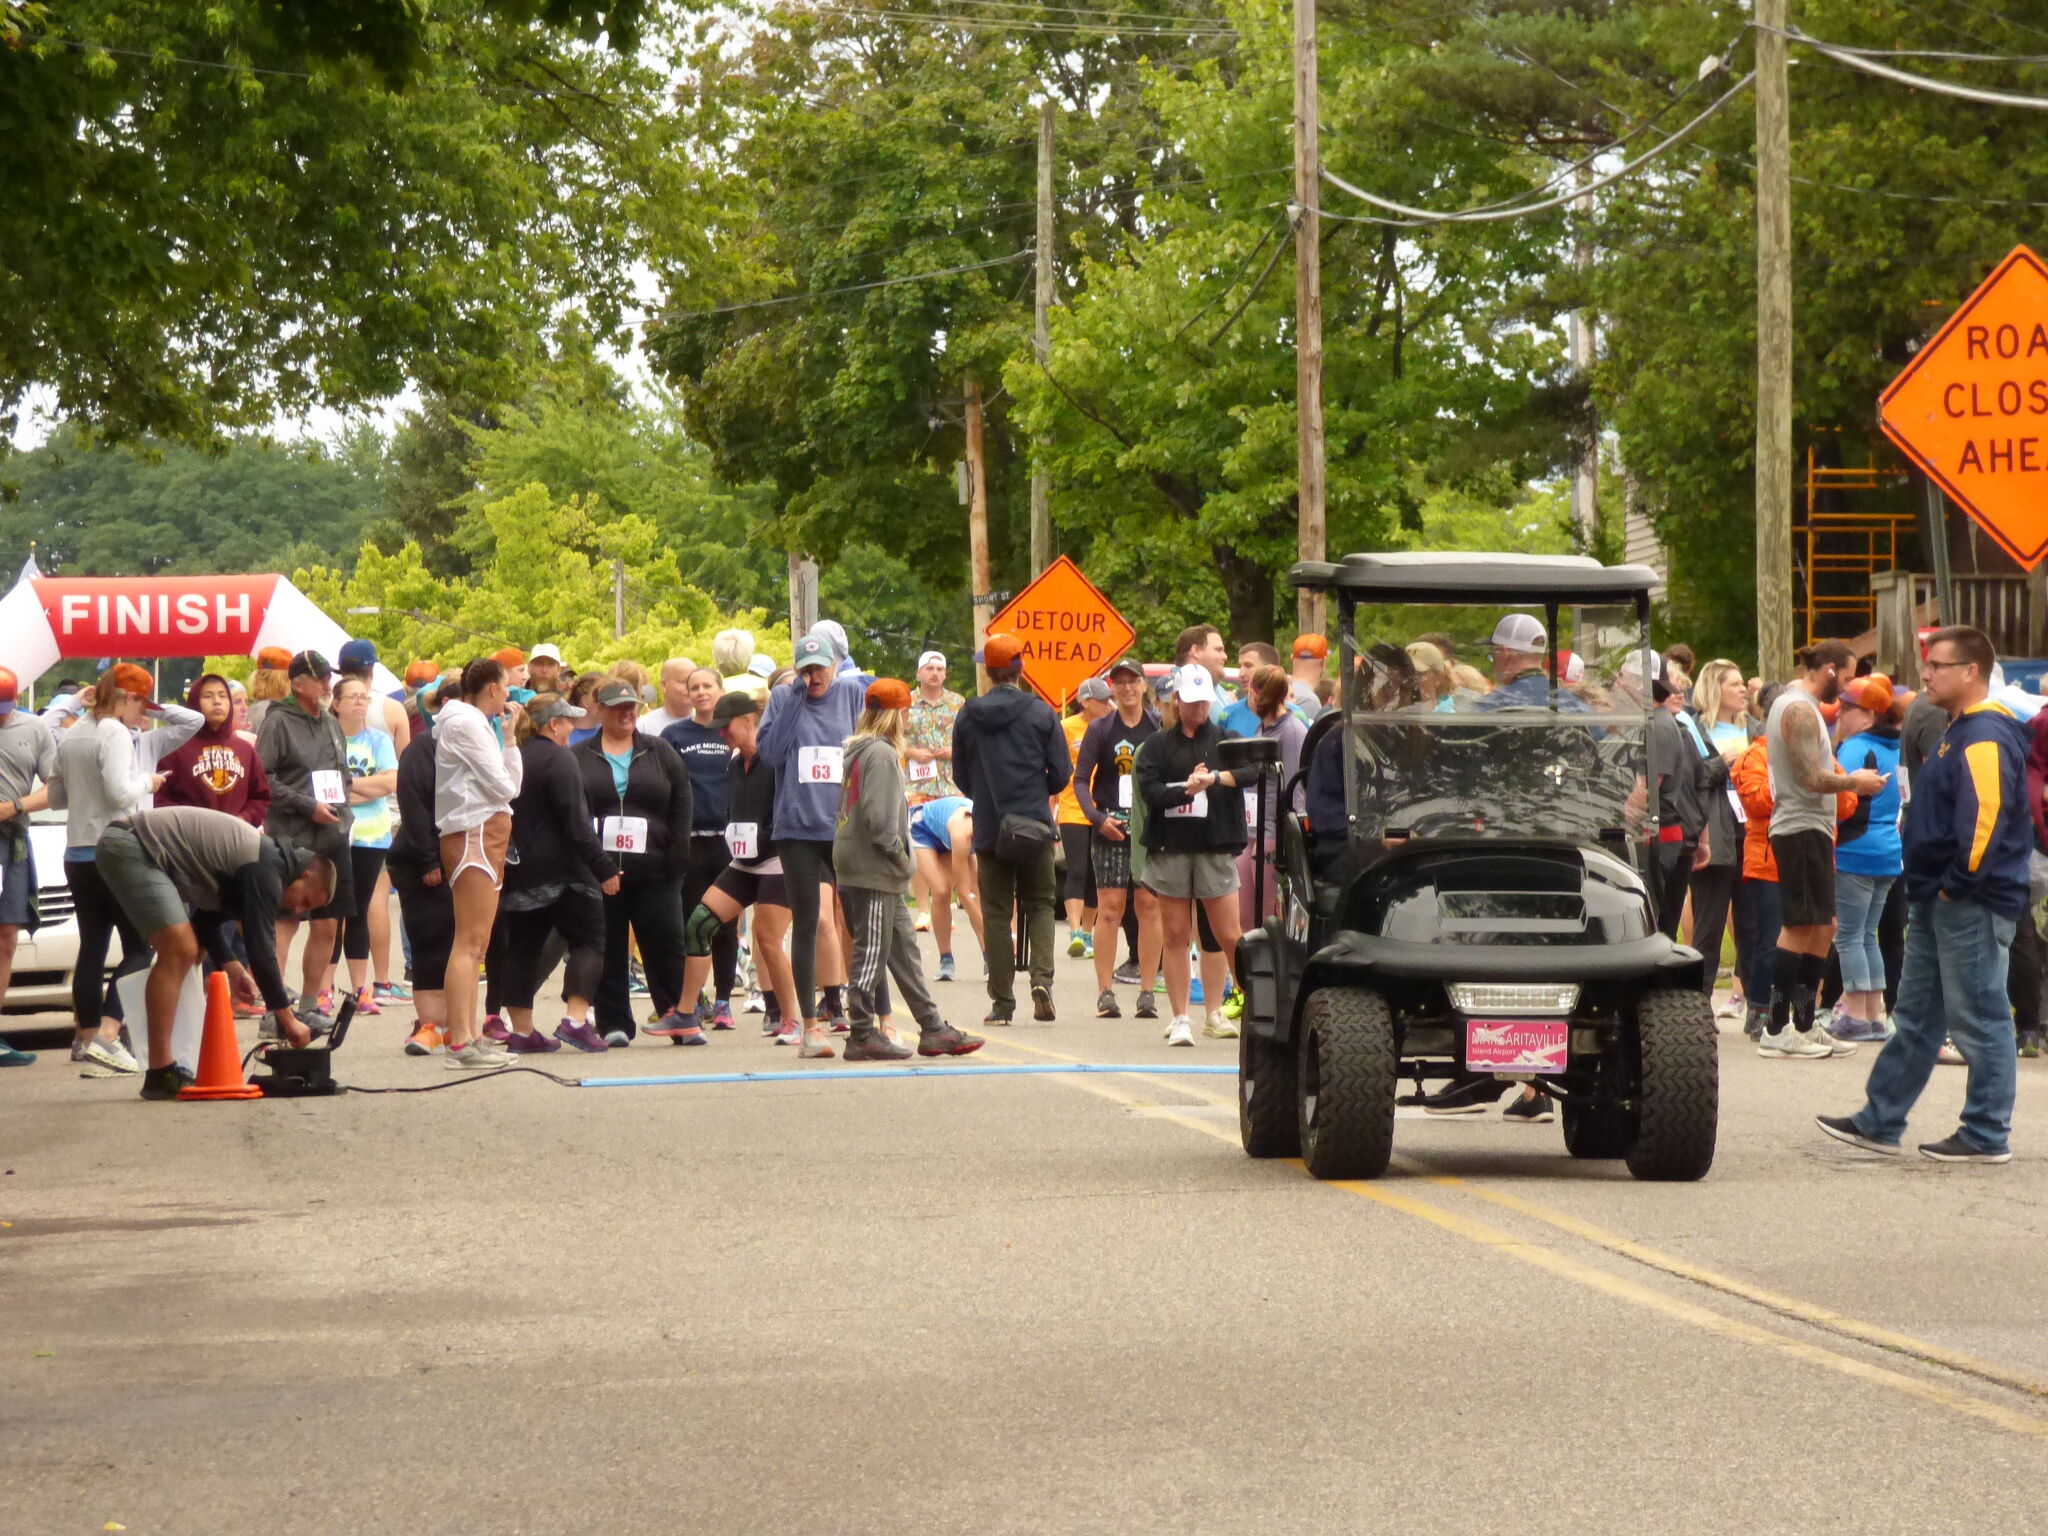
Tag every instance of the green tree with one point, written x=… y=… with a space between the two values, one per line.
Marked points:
x=257 y=506
x=214 y=212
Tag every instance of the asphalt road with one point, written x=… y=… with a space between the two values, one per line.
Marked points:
x=1032 y=1304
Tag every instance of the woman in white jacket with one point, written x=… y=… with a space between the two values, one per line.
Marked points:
x=106 y=768
x=477 y=772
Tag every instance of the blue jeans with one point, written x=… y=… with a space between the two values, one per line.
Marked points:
x=1953 y=986
x=1756 y=938
x=1859 y=903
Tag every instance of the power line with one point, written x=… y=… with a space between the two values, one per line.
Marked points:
x=826 y=293
x=1858 y=61
x=80 y=45
x=994 y=24
x=1415 y=218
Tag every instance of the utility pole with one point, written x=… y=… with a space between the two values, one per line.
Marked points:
x=618 y=598
x=1041 y=339
x=1586 y=478
x=803 y=595
x=977 y=530
x=1773 y=345
x=1308 y=313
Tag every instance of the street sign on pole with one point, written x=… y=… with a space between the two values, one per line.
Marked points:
x=1069 y=629
x=1971 y=408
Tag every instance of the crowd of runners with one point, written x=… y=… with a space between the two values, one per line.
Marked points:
x=714 y=840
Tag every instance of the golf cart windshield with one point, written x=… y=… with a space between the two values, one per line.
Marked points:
x=1496 y=722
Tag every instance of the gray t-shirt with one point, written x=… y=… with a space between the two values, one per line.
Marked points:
x=1797 y=809
x=28 y=753
x=197 y=848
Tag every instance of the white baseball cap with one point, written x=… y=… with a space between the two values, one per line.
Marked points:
x=1574 y=669
x=1194 y=685
x=931 y=659
x=1521 y=633
x=544 y=652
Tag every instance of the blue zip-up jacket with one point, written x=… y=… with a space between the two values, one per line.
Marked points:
x=1868 y=843
x=807 y=812
x=1968 y=834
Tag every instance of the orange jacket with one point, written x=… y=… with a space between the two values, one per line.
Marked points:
x=1751 y=778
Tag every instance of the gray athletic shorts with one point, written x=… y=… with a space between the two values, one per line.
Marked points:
x=144 y=891
x=1197 y=876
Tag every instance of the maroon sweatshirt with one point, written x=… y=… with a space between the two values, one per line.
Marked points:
x=216 y=771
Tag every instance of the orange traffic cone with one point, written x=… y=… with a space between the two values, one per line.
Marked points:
x=220 y=1057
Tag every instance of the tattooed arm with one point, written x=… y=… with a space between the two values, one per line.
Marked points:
x=1813 y=765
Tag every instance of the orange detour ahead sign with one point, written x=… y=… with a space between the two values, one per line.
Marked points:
x=1972 y=407
x=1070 y=631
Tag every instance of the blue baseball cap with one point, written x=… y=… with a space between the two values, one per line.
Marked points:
x=358 y=653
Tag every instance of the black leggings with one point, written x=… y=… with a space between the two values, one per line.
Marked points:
x=708 y=859
x=806 y=871
x=352 y=938
x=429 y=913
x=652 y=912
x=578 y=916
x=99 y=917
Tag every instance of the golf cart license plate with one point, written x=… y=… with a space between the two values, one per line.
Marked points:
x=1517 y=1045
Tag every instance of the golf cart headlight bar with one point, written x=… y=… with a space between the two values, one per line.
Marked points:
x=1513 y=997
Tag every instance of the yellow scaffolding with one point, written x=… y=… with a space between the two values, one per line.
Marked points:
x=1846 y=545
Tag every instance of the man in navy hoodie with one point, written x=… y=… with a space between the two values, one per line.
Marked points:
x=803 y=739
x=1967 y=838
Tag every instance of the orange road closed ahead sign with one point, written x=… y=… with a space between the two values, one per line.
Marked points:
x=1069 y=629
x=1972 y=407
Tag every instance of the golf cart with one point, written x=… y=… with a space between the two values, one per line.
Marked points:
x=1483 y=917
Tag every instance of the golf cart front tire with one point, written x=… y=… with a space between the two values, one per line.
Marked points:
x=1347 y=1072
x=1679 y=1097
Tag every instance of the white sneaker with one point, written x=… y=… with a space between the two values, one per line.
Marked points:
x=754 y=1002
x=1834 y=1047
x=791 y=1033
x=1180 y=1031
x=1949 y=1056
x=109 y=1054
x=1813 y=1043
x=1217 y=1027
x=1731 y=1007
x=482 y=1054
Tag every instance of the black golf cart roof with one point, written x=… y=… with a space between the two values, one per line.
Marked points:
x=1469 y=576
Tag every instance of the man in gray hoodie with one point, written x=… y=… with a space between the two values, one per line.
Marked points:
x=803 y=740
x=871 y=851
x=305 y=756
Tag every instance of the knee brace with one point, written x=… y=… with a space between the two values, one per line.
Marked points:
x=700 y=930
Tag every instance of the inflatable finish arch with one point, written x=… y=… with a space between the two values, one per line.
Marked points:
x=47 y=619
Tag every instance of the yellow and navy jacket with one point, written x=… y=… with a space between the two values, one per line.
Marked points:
x=1968 y=834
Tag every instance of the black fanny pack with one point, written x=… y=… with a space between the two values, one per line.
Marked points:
x=1020 y=839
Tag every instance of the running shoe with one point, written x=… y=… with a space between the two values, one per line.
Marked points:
x=1233 y=1004
x=1842 y=1128
x=923 y=922
x=1088 y=944
x=366 y=1003
x=1041 y=1005
x=393 y=991
x=10 y=1057
x=1793 y=1042
x=1949 y=1056
x=996 y=1021
x=266 y=1032
x=1467 y=1098
x=77 y=1049
x=161 y=1083
x=426 y=1040
x=583 y=1036
x=249 y=1010
x=841 y=1025
x=1106 y=1008
x=670 y=1024
x=2030 y=1043
x=1148 y=1005
x=1125 y=975
x=1756 y=1022
x=94 y=1069
x=756 y=1003
x=693 y=1035
x=1730 y=1007
x=771 y=1027
x=1953 y=1149
x=948 y=1041
x=1180 y=1032
x=636 y=983
x=617 y=1039
x=721 y=1016
x=480 y=1055
x=1195 y=992
x=873 y=1045
x=813 y=1047
x=1076 y=945
x=108 y=1053
x=1530 y=1109
x=532 y=1043
x=1857 y=1031
x=945 y=968
x=1219 y=1025
x=790 y=1033
x=495 y=1028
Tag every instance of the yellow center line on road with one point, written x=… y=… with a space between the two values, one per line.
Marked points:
x=1552 y=1261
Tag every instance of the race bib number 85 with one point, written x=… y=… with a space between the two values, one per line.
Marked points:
x=623 y=834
